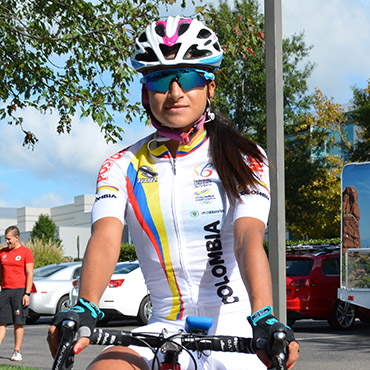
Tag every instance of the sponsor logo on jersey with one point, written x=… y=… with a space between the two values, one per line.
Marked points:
x=202 y=183
x=149 y=175
x=204 y=171
x=18 y=258
x=146 y=171
x=218 y=266
x=204 y=196
x=213 y=212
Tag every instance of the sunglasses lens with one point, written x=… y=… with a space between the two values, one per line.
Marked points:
x=161 y=81
x=191 y=80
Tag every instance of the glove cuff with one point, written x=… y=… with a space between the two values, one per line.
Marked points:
x=94 y=310
x=261 y=314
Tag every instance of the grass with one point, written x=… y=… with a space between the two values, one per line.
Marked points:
x=11 y=367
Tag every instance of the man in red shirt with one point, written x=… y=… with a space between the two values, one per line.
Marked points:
x=16 y=276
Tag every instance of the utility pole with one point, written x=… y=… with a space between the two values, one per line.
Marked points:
x=275 y=152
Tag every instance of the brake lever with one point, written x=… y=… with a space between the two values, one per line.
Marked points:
x=278 y=346
x=65 y=355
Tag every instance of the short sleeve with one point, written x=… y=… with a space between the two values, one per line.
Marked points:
x=29 y=256
x=111 y=193
x=257 y=202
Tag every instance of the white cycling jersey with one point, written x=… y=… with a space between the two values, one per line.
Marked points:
x=181 y=223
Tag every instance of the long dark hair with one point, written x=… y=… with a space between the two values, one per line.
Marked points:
x=229 y=151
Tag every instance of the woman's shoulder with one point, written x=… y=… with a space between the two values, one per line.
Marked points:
x=130 y=150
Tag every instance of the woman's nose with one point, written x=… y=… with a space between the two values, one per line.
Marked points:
x=175 y=89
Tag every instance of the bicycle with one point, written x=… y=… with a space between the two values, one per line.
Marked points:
x=194 y=338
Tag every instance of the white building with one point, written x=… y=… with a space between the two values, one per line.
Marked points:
x=73 y=223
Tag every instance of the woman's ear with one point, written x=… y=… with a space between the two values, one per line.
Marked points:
x=211 y=89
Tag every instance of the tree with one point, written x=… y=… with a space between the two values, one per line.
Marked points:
x=72 y=56
x=45 y=230
x=312 y=175
x=241 y=80
x=361 y=115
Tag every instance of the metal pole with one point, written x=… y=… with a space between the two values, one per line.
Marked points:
x=275 y=152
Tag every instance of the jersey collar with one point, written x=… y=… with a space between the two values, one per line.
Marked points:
x=158 y=149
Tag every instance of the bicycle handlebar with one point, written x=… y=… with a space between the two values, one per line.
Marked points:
x=182 y=340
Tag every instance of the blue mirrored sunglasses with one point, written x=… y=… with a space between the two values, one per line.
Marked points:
x=187 y=78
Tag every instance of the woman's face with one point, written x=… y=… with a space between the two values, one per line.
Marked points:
x=179 y=109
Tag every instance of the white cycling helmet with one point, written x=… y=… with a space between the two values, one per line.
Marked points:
x=176 y=41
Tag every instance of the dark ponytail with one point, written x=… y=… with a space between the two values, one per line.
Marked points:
x=229 y=151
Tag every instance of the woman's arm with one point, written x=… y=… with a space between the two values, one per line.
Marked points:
x=100 y=258
x=252 y=260
x=255 y=271
x=98 y=265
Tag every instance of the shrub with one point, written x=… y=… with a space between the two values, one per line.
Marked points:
x=45 y=252
x=127 y=252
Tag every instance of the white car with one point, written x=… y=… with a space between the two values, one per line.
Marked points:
x=125 y=295
x=52 y=285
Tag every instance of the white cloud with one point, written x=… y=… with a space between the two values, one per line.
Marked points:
x=61 y=166
x=340 y=34
x=82 y=151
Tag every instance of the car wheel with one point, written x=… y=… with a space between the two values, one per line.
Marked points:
x=145 y=310
x=63 y=303
x=32 y=318
x=343 y=315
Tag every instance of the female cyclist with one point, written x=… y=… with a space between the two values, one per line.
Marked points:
x=195 y=195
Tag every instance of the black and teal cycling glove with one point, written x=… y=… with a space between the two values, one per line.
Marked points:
x=261 y=322
x=88 y=316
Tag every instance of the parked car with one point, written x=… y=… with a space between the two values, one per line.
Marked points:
x=52 y=285
x=125 y=295
x=312 y=281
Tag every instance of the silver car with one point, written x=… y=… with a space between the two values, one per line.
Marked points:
x=52 y=284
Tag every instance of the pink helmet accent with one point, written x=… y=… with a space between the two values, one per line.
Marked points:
x=171 y=40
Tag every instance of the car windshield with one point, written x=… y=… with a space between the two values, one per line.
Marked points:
x=299 y=267
x=125 y=268
x=46 y=271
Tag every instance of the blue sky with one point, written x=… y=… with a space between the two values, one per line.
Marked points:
x=62 y=167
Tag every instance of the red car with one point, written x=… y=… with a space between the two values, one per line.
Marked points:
x=312 y=281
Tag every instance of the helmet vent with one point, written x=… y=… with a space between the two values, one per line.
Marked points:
x=194 y=53
x=159 y=29
x=142 y=37
x=149 y=56
x=183 y=28
x=217 y=46
x=169 y=52
x=204 y=34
